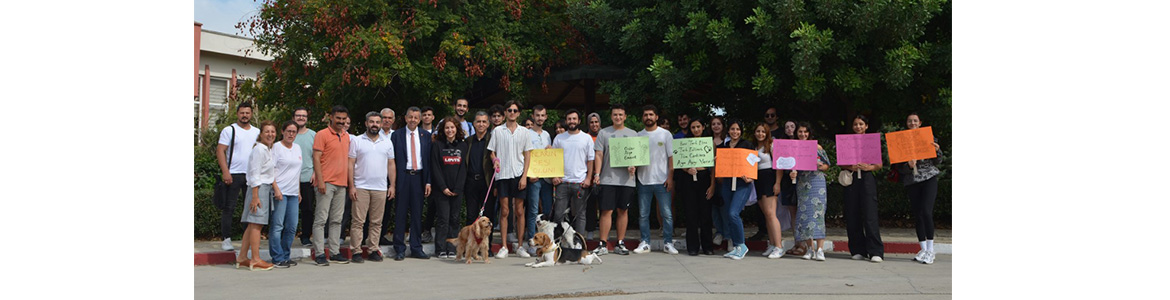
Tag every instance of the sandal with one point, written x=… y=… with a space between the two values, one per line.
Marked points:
x=243 y=263
x=796 y=250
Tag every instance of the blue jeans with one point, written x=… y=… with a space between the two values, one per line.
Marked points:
x=657 y=191
x=717 y=219
x=733 y=203
x=537 y=190
x=282 y=227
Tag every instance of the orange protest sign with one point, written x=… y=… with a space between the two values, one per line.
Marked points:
x=735 y=162
x=910 y=145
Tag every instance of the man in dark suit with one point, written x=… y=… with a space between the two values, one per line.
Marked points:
x=413 y=182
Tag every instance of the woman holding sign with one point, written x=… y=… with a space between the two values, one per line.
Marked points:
x=695 y=189
x=734 y=201
x=861 y=206
x=921 y=181
x=810 y=200
x=718 y=136
x=768 y=188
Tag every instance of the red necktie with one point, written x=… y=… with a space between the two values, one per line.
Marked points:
x=413 y=154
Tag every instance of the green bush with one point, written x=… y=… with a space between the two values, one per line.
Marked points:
x=207 y=216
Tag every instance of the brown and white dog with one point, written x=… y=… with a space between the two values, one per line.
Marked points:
x=547 y=251
x=570 y=248
x=473 y=242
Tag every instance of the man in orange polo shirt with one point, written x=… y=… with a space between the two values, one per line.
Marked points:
x=330 y=165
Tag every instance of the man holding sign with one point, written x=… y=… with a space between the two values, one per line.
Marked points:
x=617 y=184
x=578 y=151
x=655 y=180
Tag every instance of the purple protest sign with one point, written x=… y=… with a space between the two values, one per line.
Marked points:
x=859 y=148
x=794 y=155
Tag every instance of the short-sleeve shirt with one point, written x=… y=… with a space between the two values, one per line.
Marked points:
x=334 y=147
x=578 y=150
x=371 y=158
x=661 y=148
x=305 y=141
x=542 y=140
x=509 y=147
x=288 y=167
x=612 y=176
x=242 y=149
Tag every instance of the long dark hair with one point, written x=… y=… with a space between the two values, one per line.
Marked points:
x=441 y=132
x=863 y=119
x=806 y=126
x=690 y=133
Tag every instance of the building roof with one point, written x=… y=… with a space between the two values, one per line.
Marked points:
x=230 y=44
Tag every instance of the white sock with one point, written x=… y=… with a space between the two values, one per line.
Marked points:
x=930 y=246
x=922 y=244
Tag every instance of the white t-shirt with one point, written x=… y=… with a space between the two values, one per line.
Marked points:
x=245 y=139
x=661 y=147
x=578 y=150
x=288 y=168
x=612 y=176
x=509 y=147
x=765 y=159
x=261 y=166
x=370 y=161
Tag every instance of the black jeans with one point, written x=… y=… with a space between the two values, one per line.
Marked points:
x=861 y=216
x=698 y=211
x=446 y=220
x=922 y=197
x=591 y=212
x=308 y=205
x=235 y=190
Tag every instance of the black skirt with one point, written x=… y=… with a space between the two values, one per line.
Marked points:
x=765 y=180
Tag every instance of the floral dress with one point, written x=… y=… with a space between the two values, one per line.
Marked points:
x=810 y=201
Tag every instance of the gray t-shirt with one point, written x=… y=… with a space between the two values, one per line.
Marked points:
x=613 y=176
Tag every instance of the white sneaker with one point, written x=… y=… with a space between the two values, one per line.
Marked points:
x=227 y=245
x=601 y=249
x=769 y=250
x=718 y=237
x=820 y=256
x=808 y=254
x=643 y=247
x=777 y=252
x=858 y=257
x=669 y=248
x=920 y=256
x=929 y=258
x=876 y=259
x=523 y=252
x=503 y=252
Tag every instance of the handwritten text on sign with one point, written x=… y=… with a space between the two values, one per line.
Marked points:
x=733 y=162
x=855 y=149
x=911 y=144
x=694 y=153
x=794 y=155
x=629 y=151
x=547 y=163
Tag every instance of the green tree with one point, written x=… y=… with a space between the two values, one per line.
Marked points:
x=372 y=54
x=820 y=61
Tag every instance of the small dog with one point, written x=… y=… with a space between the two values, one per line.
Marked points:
x=473 y=242
x=572 y=245
x=547 y=252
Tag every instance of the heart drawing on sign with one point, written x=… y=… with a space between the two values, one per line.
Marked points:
x=785 y=163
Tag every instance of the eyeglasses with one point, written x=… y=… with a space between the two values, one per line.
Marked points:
x=512 y=110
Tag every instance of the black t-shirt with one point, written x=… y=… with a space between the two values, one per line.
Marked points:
x=475 y=155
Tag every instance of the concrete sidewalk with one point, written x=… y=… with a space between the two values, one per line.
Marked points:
x=897 y=240
x=654 y=275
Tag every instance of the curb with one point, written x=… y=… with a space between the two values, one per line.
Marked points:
x=228 y=257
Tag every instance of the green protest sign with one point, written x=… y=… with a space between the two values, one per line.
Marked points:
x=694 y=153
x=629 y=151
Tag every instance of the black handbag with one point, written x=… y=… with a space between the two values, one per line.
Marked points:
x=220 y=195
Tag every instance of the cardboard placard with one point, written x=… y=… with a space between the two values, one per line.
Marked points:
x=735 y=162
x=907 y=145
x=855 y=149
x=794 y=155
x=694 y=153
x=629 y=151
x=547 y=163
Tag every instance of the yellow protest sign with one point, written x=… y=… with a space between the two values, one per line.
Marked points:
x=547 y=163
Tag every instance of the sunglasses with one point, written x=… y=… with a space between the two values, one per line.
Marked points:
x=512 y=110
x=770 y=115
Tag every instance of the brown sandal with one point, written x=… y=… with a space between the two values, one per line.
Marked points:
x=796 y=250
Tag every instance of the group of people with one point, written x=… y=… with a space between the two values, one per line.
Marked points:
x=340 y=179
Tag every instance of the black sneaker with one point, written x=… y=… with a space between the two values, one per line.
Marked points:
x=357 y=258
x=337 y=258
x=283 y=265
x=321 y=261
x=292 y=262
x=621 y=249
x=376 y=256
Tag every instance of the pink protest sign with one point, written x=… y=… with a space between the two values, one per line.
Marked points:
x=859 y=148
x=794 y=155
